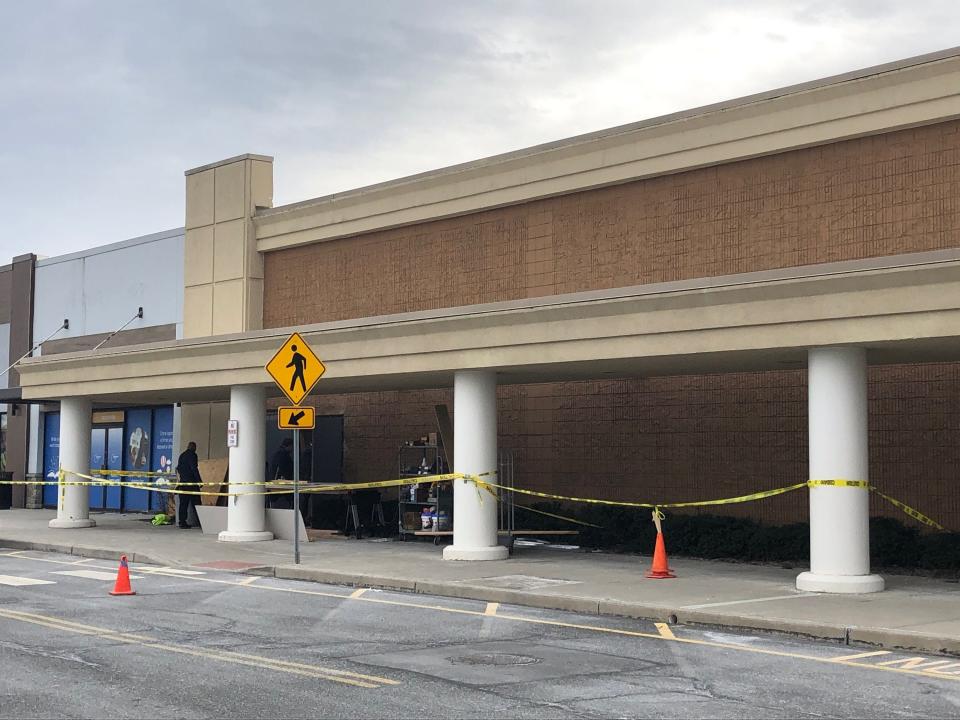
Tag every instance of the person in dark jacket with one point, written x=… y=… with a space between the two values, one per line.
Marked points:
x=281 y=468
x=188 y=469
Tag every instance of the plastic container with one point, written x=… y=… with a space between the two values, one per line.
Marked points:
x=426 y=519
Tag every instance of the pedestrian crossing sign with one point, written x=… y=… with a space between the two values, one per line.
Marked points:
x=295 y=368
x=296 y=418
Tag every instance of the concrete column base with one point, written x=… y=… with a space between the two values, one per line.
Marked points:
x=454 y=552
x=66 y=524
x=812 y=582
x=244 y=536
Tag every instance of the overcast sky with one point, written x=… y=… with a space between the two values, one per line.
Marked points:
x=104 y=103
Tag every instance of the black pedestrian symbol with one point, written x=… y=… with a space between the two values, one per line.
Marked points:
x=298 y=362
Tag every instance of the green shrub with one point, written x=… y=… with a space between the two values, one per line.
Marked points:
x=940 y=551
x=893 y=544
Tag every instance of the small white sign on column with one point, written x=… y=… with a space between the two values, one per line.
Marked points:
x=233 y=433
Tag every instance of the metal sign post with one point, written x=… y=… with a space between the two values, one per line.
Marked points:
x=295 y=368
x=296 y=496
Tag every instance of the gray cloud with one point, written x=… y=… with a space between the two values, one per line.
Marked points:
x=104 y=103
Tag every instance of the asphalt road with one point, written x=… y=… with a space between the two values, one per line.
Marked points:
x=223 y=645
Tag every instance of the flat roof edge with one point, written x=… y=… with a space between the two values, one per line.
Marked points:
x=110 y=247
x=717 y=107
x=228 y=161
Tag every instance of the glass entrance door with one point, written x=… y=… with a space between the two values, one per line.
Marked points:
x=106 y=453
x=114 y=458
x=98 y=451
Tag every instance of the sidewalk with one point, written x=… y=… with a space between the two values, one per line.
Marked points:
x=914 y=613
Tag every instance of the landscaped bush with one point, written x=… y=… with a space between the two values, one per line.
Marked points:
x=893 y=544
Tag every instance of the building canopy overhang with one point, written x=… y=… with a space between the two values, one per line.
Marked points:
x=903 y=309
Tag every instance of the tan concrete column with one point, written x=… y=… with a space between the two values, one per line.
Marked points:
x=223 y=272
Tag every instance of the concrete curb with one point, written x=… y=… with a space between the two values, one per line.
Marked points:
x=804 y=628
x=888 y=638
x=83 y=551
x=905 y=640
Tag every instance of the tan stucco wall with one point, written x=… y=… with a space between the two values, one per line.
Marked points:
x=223 y=272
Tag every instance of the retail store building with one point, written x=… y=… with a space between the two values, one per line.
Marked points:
x=725 y=300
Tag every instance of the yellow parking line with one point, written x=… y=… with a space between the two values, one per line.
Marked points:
x=843 y=660
x=491 y=608
x=249 y=581
x=357 y=593
x=665 y=631
x=341 y=676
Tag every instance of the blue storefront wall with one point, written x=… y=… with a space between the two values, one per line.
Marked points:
x=51 y=457
x=144 y=443
x=137 y=434
x=161 y=451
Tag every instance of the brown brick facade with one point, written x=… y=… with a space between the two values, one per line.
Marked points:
x=870 y=197
x=686 y=438
x=674 y=438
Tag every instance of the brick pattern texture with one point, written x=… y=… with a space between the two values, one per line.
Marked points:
x=671 y=438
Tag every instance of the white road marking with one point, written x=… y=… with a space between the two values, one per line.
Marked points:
x=23 y=581
x=92 y=574
x=748 y=600
x=172 y=571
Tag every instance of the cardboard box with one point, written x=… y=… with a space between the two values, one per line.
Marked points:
x=411 y=521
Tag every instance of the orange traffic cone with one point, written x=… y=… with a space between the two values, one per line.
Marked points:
x=122 y=586
x=660 y=569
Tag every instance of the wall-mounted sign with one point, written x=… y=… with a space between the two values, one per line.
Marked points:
x=233 y=433
x=105 y=417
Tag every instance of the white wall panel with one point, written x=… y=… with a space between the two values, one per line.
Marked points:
x=100 y=289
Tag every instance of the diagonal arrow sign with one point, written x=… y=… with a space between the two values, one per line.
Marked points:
x=296 y=417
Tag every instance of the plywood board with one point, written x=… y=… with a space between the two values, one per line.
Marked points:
x=214 y=474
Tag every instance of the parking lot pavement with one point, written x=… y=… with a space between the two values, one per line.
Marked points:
x=209 y=643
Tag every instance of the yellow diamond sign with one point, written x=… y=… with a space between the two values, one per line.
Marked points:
x=295 y=368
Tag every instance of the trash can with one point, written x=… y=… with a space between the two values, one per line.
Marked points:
x=6 y=491
x=34 y=495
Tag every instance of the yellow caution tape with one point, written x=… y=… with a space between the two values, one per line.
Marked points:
x=838 y=483
x=90 y=480
x=134 y=473
x=618 y=503
x=286 y=485
x=915 y=514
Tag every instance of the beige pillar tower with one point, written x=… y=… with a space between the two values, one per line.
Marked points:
x=223 y=272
